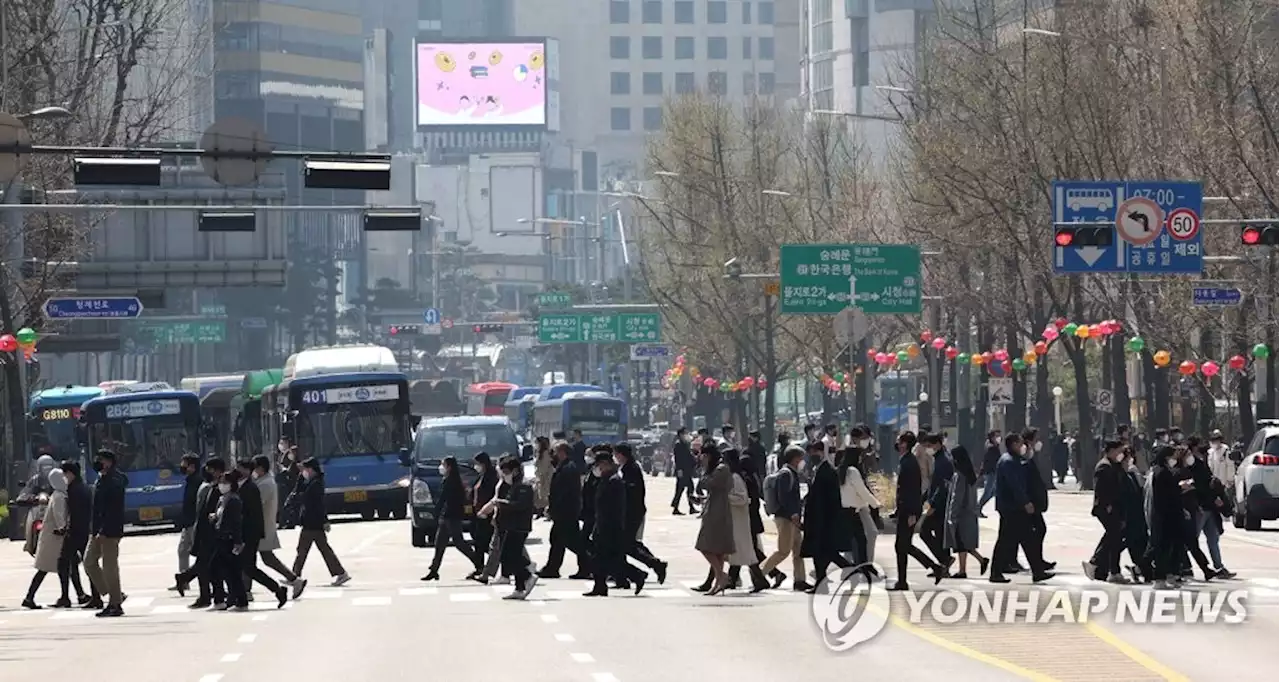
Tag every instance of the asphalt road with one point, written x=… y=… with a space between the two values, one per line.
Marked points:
x=387 y=625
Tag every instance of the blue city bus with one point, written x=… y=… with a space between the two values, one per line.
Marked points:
x=518 y=407
x=601 y=417
x=553 y=391
x=894 y=390
x=216 y=393
x=349 y=408
x=149 y=427
x=55 y=416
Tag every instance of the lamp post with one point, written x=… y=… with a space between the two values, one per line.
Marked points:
x=1057 y=408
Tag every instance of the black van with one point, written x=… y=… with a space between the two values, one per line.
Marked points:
x=435 y=439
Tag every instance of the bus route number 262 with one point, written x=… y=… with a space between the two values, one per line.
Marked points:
x=313 y=397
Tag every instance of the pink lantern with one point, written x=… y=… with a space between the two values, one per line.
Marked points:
x=1050 y=333
x=1237 y=362
x=1210 y=369
x=926 y=336
x=952 y=352
x=1001 y=355
x=882 y=359
x=1095 y=331
x=8 y=343
x=679 y=359
x=762 y=384
x=708 y=382
x=1007 y=366
x=939 y=343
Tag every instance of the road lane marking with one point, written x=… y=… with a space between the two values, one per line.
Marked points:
x=260 y=618
x=1156 y=667
x=371 y=601
x=368 y=542
x=582 y=658
x=603 y=677
x=230 y=658
x=324 y=593
x=550 y=618
x=564 y=637
x=73 y=615
x=246 y=639
x=564 y=594
x=964 y=650
x=469 y=597
x=210 y=678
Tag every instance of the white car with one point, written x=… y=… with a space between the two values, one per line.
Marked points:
x=1257 y=490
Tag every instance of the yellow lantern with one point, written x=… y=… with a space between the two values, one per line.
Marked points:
x=976 y=359
x=913 y=350
x=1161 y=358
x=1082 y=332
x=1029 y=357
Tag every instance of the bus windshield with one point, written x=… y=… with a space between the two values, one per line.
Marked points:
x=341 y=430
x=596 y=417
x=56 y=437
x=436 y=443
x=146 y=442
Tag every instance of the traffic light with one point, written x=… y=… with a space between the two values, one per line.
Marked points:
x=1084 y=236
x=487 y=328
x=1259 y=234
x=404 y=330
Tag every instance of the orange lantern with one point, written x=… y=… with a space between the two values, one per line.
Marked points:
x=1029 y=357
x=1161 y=358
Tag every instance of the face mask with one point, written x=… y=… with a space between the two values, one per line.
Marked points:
x=443 y=470
x=98 y=466
x=282 y=448
x=1039 y=445
x=306 y=473
x=1188 y=460
x=224 y=488
x=800 y=466
x=1171 y=461
x=1177 y=438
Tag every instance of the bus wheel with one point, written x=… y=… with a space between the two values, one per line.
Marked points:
x=368 y=514
x=384 y=514
x=400 y=513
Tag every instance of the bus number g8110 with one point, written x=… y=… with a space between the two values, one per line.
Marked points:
x=56 y=413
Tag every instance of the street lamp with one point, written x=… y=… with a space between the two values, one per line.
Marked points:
x=775 y=192
x=45 y=114
x=1057 y=408
x=924 y=397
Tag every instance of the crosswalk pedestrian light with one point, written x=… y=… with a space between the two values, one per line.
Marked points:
x=487 y=328
x=1084 y=236
x=1261 y=234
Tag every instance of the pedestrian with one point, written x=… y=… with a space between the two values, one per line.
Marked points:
x=715 y=535
x=1135 y=520
x=1222 y=466
x=1109 y=485
x=633 y=476
x=1210 y=506
x=685 y=465
x=751 y=478
x=254 y=530
x=544 y=466
x=228 y=524
x=1166 y=517
x=514 y=523
x=270 y=494
x=564 y=507
x=1016 y=513
x=54 y=529
x=910 y=506
x=1189 y=468
x=858 y=503
x=755 y=452
x=933 y=521
x=740 y=512
x=192 y=478
x=482 y=491
x=578 y=449
x=990 y=458
x=786 y=518
x=961 y=534
x=314 y=522
x=1061 y=457
x=609 y=538
x=1039 y=483
x=102 y=559
x=827 y=533
x=80 y=515
x=491 y=510
x=450 y=512
x=204 y=541
x=587 y=515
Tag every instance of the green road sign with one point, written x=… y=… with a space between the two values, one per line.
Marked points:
x=600 y=328
x=820 y=279
x=558 y=300
x=160 y=333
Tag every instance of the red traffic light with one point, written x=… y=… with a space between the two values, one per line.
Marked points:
x=1064 y=237
x=394 y=330
x=1259 y=235
x=1251 y=235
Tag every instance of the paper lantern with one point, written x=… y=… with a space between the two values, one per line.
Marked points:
x=939 y=343
x=952 y=352
x=986 y=357
x=872 y=353
x=1135 y=345
x=1018 y=364
x=1050 y=333
x=881 y=358
x=1082 y=332
x=1210 y=369
x=1236 y=362
x=903 y=357
x=28 y=353
x=26 y=336
x=8 y=343
x=1261 y=351
x=926 y=336
x=1041 y=348
x=1094 y=332
x=1070 y=329
x=913 y=350
x=976 y=360
x=680 y=359
x=839 y=377
x=1161 y=358
x=1061 y=323
x=749 y=381
x=963 y=358
x=762 y=384
x=708 y=382
x=1186 y=368
x=1029 y=357
x=1000 y=355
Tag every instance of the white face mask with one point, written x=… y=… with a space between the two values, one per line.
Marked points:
x=1171 y=461
x=864 y=443
x=282 y=448
x=444 y=471
x=1039 y=445
x=1189 y=460
x=224 y=488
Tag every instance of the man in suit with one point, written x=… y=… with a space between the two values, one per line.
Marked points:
x=910 y=507
x=204 y=542
x=1016 y=513
x=610 y=539
x=633 y=477
x=933 y=525
x=685 y=464
x=563 y=508
x=252 y=533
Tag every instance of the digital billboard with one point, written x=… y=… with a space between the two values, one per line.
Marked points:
x=481 y=84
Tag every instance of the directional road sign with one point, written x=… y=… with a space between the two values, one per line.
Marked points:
x=1216 y=296
x=92 y=308
x=431 y=316
x=1155 y=227
x=600 y=328
x=649 y=351
x=555 y=300
x=823 y=279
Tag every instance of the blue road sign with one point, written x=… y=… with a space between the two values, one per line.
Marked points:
x=431 y=316
x=1154 y=227
x=1216 y=296
x=92 y=308
x=645 y=351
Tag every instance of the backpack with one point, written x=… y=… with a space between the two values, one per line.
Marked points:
x=770 y=496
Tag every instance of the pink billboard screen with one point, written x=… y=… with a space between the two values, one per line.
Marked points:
x=481 y=84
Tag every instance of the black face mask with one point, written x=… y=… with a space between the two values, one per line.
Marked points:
x=98 y=465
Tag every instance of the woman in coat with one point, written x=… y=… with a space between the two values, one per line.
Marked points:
x=715 y=535
x=960 y=534
x=827 y=536
x=751 y=478
x=857 y=503
x=314 y=522
x=744 y=544
x=57 y=520
x=450 y=513
x=544 y=465
x=1166 y=517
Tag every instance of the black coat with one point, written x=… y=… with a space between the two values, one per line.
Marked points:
x=207 y=504
x=826 y=529
x=1167 y=511
x=485 y=488
x=80 y=510
x=609 y=532
x=578 y=453
x=312 y=515
x=516 y=515
x=564 y=503
x=1109 y=482
x=251 y=504
x=753 y=507
x=190 y=510
x=685 y=462
x=990 y=457
x=451 y=505
x=910 y=498
x=108 y=504
x=1037 y=492
x=633 y=477
x=230 y=519
x=588 y=513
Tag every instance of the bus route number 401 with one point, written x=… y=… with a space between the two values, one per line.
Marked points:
x=313 y=397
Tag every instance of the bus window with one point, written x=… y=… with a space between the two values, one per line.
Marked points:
x=150 y=443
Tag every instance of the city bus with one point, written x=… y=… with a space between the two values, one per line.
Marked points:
x=347 y=406
x=246 y=410
x=553 y=391
x=216 y=391
x=55 y=414
x=518 y=407
x=488 y=398
x=149 y=426
x=601 y=417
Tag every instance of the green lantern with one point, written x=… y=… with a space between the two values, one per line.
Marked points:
x=963 y=358
x=839 y=377
x=1070 y=329
x=1018 y=364
x=903 y=357
x=1260 y=351
x=1135 y=345
x=26 y=336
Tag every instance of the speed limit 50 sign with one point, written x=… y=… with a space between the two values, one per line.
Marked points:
x=1183 y=224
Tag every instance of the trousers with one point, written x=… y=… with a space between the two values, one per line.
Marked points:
x=102 y=565
x=319 y=538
